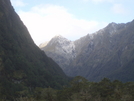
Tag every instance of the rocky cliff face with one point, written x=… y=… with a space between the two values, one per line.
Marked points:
x=23 y=66
x=106 y=53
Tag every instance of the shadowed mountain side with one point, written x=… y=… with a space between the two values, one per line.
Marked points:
x=23 y=66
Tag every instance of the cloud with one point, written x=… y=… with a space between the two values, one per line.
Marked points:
x=18 y=3
x=119 y=9
x=46 y=21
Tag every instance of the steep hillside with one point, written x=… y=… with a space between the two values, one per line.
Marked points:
x=106 y=53
x=23 y=66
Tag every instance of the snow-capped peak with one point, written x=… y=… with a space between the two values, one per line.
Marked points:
x=62 y=46
x=59 y=41
x=58 y=36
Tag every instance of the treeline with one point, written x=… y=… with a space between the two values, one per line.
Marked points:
x=81 y=89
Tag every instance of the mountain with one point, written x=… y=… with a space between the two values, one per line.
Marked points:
x=61 y=50
x=105 y=53
x=23 y=66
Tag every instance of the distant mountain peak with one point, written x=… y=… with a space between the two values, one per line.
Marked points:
x=57 y=36
x=63 y=48
x=112 y=23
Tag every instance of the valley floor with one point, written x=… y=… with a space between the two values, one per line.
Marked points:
x=81 y=89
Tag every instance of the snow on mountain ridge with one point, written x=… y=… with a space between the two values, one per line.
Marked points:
x=70 y=49
x=62 y=46
x=64 y=51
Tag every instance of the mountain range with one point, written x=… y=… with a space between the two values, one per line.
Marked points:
x=108 y=52
x=27 y=73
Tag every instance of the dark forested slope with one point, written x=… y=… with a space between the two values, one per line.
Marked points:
x=23 y=66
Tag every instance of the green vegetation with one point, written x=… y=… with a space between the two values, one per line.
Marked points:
x=23 y=66
x=81 y=89
x=27 y=74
